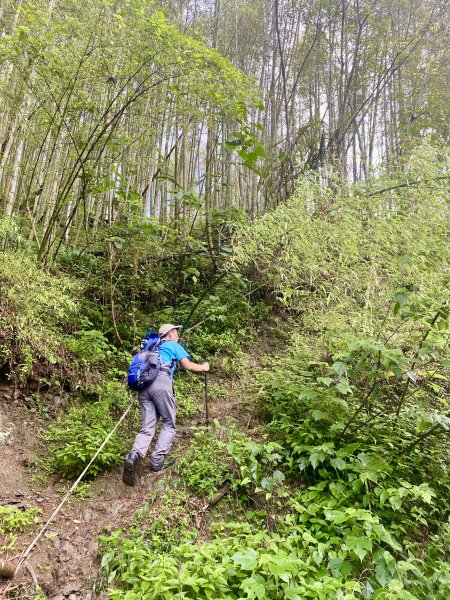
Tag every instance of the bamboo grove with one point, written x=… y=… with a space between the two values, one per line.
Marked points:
x=182 y=111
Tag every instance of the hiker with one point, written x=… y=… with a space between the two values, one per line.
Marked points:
x=158 y=401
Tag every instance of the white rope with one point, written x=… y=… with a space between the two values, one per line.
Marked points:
x=26 y=552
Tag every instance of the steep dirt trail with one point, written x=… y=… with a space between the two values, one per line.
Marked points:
x=65 y=561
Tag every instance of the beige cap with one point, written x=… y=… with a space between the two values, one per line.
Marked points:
x=164 y=329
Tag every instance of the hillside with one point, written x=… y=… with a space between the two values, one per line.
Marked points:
x=224 y=300
x=323 y=472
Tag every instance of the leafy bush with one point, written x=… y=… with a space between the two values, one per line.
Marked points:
x=375 y=495
x=14 y=521
x=35 y=308
x=225 y=315
x=74 y=438
x=164 y=523
x=90 y=345
x=189 y=394
x=95 y=355
x=247 y=564
x=203 y=466
x=256 y=464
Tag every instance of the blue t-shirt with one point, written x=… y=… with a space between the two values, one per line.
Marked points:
x=172 y=352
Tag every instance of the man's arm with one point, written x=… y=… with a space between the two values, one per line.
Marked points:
x=194 y=367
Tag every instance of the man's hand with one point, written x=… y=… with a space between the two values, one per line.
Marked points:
x=194 y=367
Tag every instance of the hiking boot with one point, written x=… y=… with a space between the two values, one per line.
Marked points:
x=130 y=467
x=166 y=464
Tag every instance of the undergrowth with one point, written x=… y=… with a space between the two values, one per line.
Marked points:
x=342 y=491
x=34 y=309
x=76 y=436
x=14 y=521
x=203 y=466
x=358 y=525
x=164 y=522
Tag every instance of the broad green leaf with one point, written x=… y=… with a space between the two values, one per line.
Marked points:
x=318 y=415
x=246 y=560
x=338 y=463
x=360 y=545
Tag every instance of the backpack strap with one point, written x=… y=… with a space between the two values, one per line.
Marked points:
x=170 y=364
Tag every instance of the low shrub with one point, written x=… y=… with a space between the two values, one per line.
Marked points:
x=204 y=466
x=75 y=437
x=247 y=564
x=164 y=522
x=189 y=394
x=35 y=309
x=14 y=521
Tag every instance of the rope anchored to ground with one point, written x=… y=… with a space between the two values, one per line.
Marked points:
x=7 y=568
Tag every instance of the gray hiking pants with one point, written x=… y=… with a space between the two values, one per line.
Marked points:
x=157 y=401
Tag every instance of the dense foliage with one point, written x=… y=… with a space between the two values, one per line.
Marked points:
x=342 y=490
x=135 y=162
x=95 y=82
x=350 y=499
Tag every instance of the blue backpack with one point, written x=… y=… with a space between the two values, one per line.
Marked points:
x=146 y=364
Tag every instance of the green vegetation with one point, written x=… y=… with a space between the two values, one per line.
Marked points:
x=189 y=391
x=276 y=181
x=164 y=524
x=14 y=521
x=75 y=437
x=246 y=564
x=34 y=306
x=348 y=496
x=203 y=466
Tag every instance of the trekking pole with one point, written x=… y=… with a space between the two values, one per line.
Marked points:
x=206 y=400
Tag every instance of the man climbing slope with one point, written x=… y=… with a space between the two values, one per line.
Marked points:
x=158 y=401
